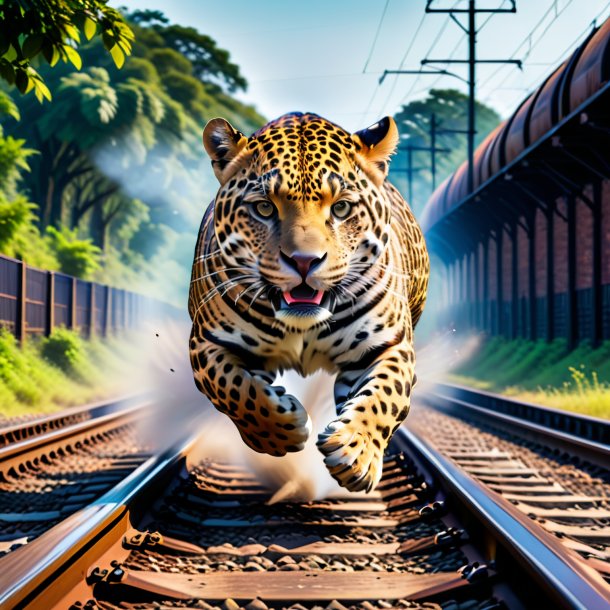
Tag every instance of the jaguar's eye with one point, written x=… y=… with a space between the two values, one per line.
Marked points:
x=341 y=209
x=264 y=209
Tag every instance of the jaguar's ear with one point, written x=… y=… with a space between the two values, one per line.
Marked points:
x=377 y=143
x=223 y=143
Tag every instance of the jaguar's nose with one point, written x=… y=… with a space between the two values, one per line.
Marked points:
x=302 y=262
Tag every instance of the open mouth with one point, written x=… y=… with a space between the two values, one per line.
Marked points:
x=303 y=295
x=302 y=299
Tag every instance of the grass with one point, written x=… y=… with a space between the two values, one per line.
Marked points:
x=56 y=372
x=547 y=374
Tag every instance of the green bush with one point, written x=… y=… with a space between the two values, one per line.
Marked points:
x=13 y=162
x=78 y=257
x=13 y=216
x=47 y=374
x=64 y=349
x=15 y=371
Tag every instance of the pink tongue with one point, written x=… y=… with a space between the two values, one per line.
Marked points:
x=316 y=299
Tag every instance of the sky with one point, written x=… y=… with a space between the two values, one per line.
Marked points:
x=326 y=56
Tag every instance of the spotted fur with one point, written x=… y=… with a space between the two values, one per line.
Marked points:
x=372 y=266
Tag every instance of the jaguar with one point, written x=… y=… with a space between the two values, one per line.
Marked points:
x=308 y=258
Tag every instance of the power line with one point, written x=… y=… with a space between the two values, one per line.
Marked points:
x=402 y=61
x=410 y=92
x=310 y=77
x=434 y=43
x=583 y=34
x=528 y=37
x=385 y=8
x=471 y=30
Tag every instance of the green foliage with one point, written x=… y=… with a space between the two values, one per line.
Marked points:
x=120 y=163
x=148 y=17
x=165 y=60
x=70 y=372
x=86 y=104
x=185 y=89
x=210 y=63
x=140 y=69
x=14 y=216
x=13 y=162
x=19 y=235
x=544 y=373
x=506 y=362
x=413 y=120
x=7 y=106
x=64 y=349
x=16 y=370
x=50 y=30
x=78 y=257
x=27 y=379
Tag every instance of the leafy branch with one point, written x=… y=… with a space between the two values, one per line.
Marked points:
x=35 y=31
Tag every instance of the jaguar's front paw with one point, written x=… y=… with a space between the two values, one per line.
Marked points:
x=273 y=422
x=353 y=454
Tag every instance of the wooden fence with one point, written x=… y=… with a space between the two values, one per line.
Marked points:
x=34 y=302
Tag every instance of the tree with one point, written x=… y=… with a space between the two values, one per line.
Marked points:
x=210 y=63
x=121 y=166
x=450 y=109
x=91 y=113
x=48 y=30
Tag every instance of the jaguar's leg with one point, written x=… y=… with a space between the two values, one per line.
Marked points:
x=372 y=409
x=269 y=420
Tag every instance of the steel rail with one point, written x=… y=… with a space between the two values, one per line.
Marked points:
x=565 y=578
x=15 y=432
x=63 y=552
x=18 y=456
x=585 y=436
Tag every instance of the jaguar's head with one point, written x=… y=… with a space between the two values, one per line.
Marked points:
x=301 y=209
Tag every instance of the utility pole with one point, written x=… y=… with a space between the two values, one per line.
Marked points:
x=433 y=126
x=410 y=171
x=472 y=61
x=434 y=131
x=410 y=149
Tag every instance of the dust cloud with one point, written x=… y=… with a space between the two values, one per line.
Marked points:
x=298 y=476
x=162 y=369
x=440 y=355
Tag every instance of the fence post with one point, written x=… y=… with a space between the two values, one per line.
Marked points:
x=108 y=320
x=91 y=310
x=124 y=312
x=73 y=306
x=20 y=322
x=50 y=302
x=126 y=306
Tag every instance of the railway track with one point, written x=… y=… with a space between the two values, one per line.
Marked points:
x=55 y=465
x=182 y=531
x=550 y=465
x=16 y=431
x=580 y=435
